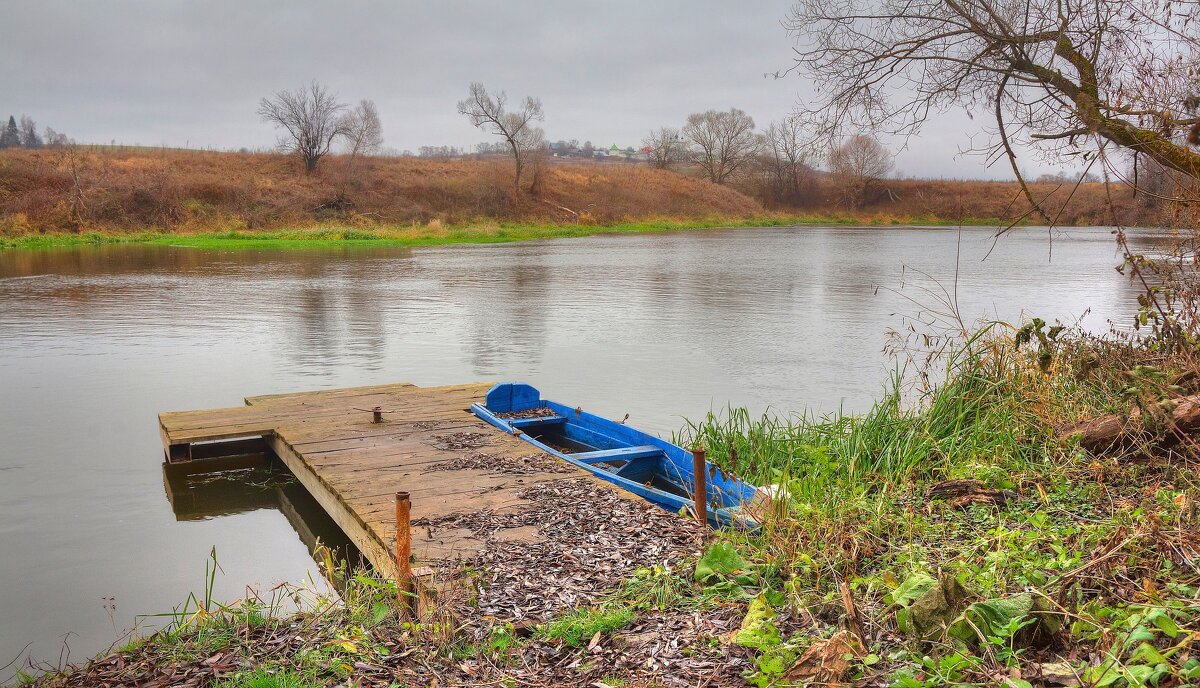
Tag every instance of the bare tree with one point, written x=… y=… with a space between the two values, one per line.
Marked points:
x=363 y=133
x=858 y=164
x=72 y=161
x=787 y=153
x=55 y=139
x=722 y=142
x=1064 y=76
x=666 y=147
x=440 y=152
x=1155 y=184
x=362 y=129
x=310 y=118
x=516 y=127
x=29 y=133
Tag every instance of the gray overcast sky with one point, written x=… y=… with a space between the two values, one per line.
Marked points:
x=176 y=73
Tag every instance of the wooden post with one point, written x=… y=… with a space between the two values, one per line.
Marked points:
x=403 y=550
x=377 y=414
x=700 y=471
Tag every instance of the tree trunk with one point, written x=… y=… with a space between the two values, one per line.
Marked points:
x=1114 y=432
x=518 y=166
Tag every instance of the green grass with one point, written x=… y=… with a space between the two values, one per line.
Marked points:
x=436 y=235
x=853 y=508
x=265 y=678
x=975 y=416
x=580 y=626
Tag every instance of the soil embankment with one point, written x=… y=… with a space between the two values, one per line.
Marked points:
x=135 y=191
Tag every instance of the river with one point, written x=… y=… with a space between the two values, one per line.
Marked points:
x=95 y=341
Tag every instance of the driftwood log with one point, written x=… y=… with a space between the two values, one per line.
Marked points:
x=1115 y=431
x=962 y=493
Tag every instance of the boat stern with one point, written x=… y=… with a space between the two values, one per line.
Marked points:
x=507 y=397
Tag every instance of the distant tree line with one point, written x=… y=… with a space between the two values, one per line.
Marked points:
x=24 y=134
x=779 y=163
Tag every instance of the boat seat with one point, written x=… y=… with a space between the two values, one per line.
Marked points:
x=624 y=453
x=537 y=421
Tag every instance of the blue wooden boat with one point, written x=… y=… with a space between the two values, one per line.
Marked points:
x=643 y=464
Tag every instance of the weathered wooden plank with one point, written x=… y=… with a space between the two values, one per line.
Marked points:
x=425 y=403
x=332 y=393
x=355 y=528
x=365 y=462
x=353 y=467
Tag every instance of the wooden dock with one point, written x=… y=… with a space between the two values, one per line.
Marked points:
x=427 y=444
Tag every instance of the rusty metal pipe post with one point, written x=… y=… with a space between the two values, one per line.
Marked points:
x=700 y=471
x=403 y=551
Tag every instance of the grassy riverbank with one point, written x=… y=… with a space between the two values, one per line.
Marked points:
x=97 y=193
x=436 y=234
x=952 y=536
x=970 y=541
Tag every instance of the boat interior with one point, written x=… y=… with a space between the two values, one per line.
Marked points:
x=646 y=464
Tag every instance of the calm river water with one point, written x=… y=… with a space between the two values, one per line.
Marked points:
x=95 y=341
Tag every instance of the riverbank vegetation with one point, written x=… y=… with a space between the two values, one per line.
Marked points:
x=969 y=532
x=123 y=192
x=434 y=234
x=971 y=539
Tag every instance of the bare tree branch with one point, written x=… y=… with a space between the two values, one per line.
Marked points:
x=667 y=147
x=516 y=127
x=859 y=164
x=722 y=142
x=1119 y=70
x=309 y=117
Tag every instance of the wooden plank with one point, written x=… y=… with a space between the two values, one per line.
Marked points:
x=262 y=399
x=627 y=453
x=353 y=526
x=353 y=467
x=434 y=402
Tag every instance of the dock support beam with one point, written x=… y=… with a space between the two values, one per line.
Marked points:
x=403 y=550
x=700 y=493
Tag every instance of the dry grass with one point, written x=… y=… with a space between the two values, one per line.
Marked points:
x=130 y=190
x=949 y=201
x=122 y=190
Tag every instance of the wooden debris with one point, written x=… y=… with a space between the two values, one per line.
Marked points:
x=961 y=493
x=1115 y=432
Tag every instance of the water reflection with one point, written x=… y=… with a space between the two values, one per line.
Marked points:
x=198 y=496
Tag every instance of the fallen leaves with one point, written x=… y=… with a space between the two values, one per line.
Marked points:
x=462 y=440
x=530 y=464
x=827 y=661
